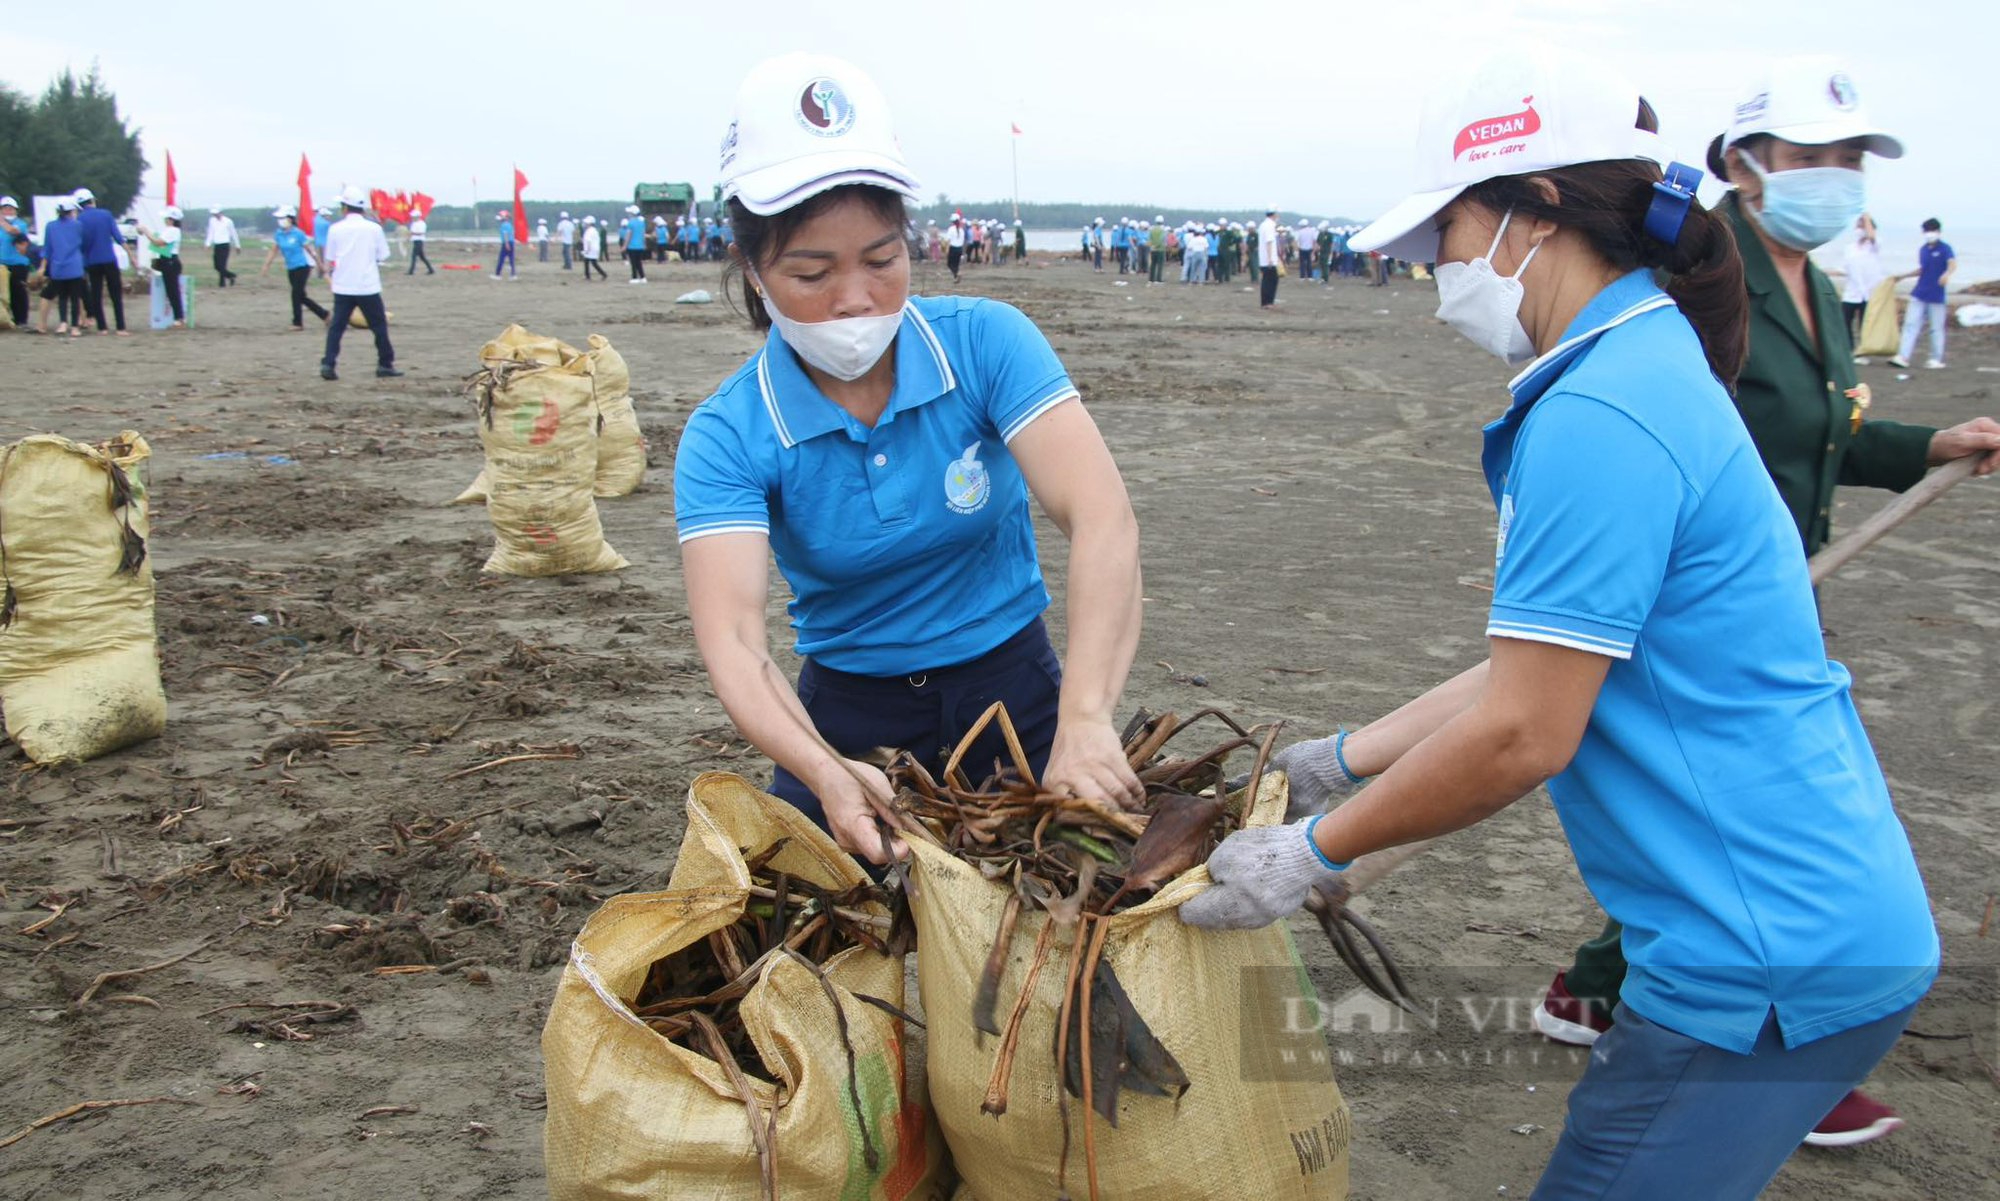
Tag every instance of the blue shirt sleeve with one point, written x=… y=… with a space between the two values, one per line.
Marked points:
x=1588 y=518
x=717 y=489
x=1020 y=376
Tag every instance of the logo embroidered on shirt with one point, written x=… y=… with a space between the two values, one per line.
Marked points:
x=1506 y=523
x=967 y=487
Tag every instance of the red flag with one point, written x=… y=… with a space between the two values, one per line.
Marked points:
x=420 y=204
x=173 y=181
x=305 y=196
x=520 y=210
x=400 y=205
x=379 y=201
x=1017 y=131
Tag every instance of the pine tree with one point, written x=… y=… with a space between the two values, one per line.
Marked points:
x=71 y=137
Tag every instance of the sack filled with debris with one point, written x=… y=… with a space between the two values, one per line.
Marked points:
x=621 y=448
x=737 y=1034
x=538 y=425
x=79 y=663
x=1154 y=1059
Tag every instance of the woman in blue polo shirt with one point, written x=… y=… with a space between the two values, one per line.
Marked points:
x=297 y=250
x=1655 y=658
x=884 y=447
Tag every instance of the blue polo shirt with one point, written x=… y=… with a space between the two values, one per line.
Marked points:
x=100 y=237
x=1932 y=261
x=635 y=233
x=291 y=244
x=907 y=546
x=321 y=225
x=1724 y=804
x=62 y=244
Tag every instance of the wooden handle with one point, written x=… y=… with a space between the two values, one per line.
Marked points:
x=1835 y=556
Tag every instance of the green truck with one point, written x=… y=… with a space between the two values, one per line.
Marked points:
x=669 y=200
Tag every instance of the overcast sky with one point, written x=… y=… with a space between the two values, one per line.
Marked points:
x=1311 y=107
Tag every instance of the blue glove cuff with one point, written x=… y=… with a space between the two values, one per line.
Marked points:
x=1312 y=824
x=1340 y=757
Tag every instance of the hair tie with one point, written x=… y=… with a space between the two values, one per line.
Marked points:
x=1671 y=198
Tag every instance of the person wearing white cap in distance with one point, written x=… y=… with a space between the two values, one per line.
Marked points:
x=885 y=448
x=661 y=236
x=542 y=239
x=15 y=261
x=566 y=235
x=165 y=246
x=593 y=249
x=355 y=252
x=1795 y=149
x=222 y=241
x=290 y=242
x=632 y=239
x=503 y=221
x=1656 y=658
x=420 y=229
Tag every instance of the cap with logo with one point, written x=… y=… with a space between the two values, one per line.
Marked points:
x=805 y=123
x=1809 y=100
x=1518 y=112
x=7 y=202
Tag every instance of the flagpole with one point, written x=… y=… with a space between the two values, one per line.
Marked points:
x=1015 y=144
x=475 y=202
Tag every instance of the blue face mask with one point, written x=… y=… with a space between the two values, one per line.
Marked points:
x=1808 y=207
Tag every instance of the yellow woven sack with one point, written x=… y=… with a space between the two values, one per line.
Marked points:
x=632 y=1115
x=538 y=425
x=621 y=448
x=79 y=664
x=1881 y=331
x=1262 y=1118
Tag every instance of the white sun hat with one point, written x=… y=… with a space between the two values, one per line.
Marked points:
x=1520 y=111
x=805 y=123
x=1810 y=100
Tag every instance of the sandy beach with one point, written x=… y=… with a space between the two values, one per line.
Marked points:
x=1318 y=546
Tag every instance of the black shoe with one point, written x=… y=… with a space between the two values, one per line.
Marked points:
x=326 y=371
x=386 y=373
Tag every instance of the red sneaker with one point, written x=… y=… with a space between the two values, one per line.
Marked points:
x=1859 y=1118
x=1566 y=1019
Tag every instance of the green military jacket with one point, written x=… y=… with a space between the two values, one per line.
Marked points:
x=1800 y=400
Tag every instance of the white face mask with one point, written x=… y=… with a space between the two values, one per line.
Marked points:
x=1484 y=305
x=1932 y=236
x=845 y=348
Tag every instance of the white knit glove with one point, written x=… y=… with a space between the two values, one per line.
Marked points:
x=1261 y=875
x=1318 y=775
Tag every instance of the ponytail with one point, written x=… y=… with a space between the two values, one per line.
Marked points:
x=1606 y=203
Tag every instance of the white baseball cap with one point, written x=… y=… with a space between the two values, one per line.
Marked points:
x=284 y=210
x=66 y=204
x=631 y=208
x=84 y=196
x=7 y=202
x=806 y=123
x=1519 y=111
x=172 y=212
x=353 y=197
x=1810 y=100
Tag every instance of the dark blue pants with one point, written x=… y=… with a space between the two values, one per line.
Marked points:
x=1659 y=1116
x=927 y=713
x=373 y=313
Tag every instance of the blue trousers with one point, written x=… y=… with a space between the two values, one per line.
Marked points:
x=506 y=258
x=371 y=312
x=1659 y=1116
x=927 y=713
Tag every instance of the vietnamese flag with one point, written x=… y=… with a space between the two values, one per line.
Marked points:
x=305 y=196
x=420 y=204
x=520 y=210
x=173 y=181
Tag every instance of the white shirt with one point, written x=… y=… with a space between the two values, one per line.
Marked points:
x=955 y=236
x=566 y=230
x=168 y=245
x=1863 y=265
x=1197 y=245
x=593 y=242
x=355 y=251
x=1267 y=243
x=541 y=233
x=418 y=228
x=221 y=231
